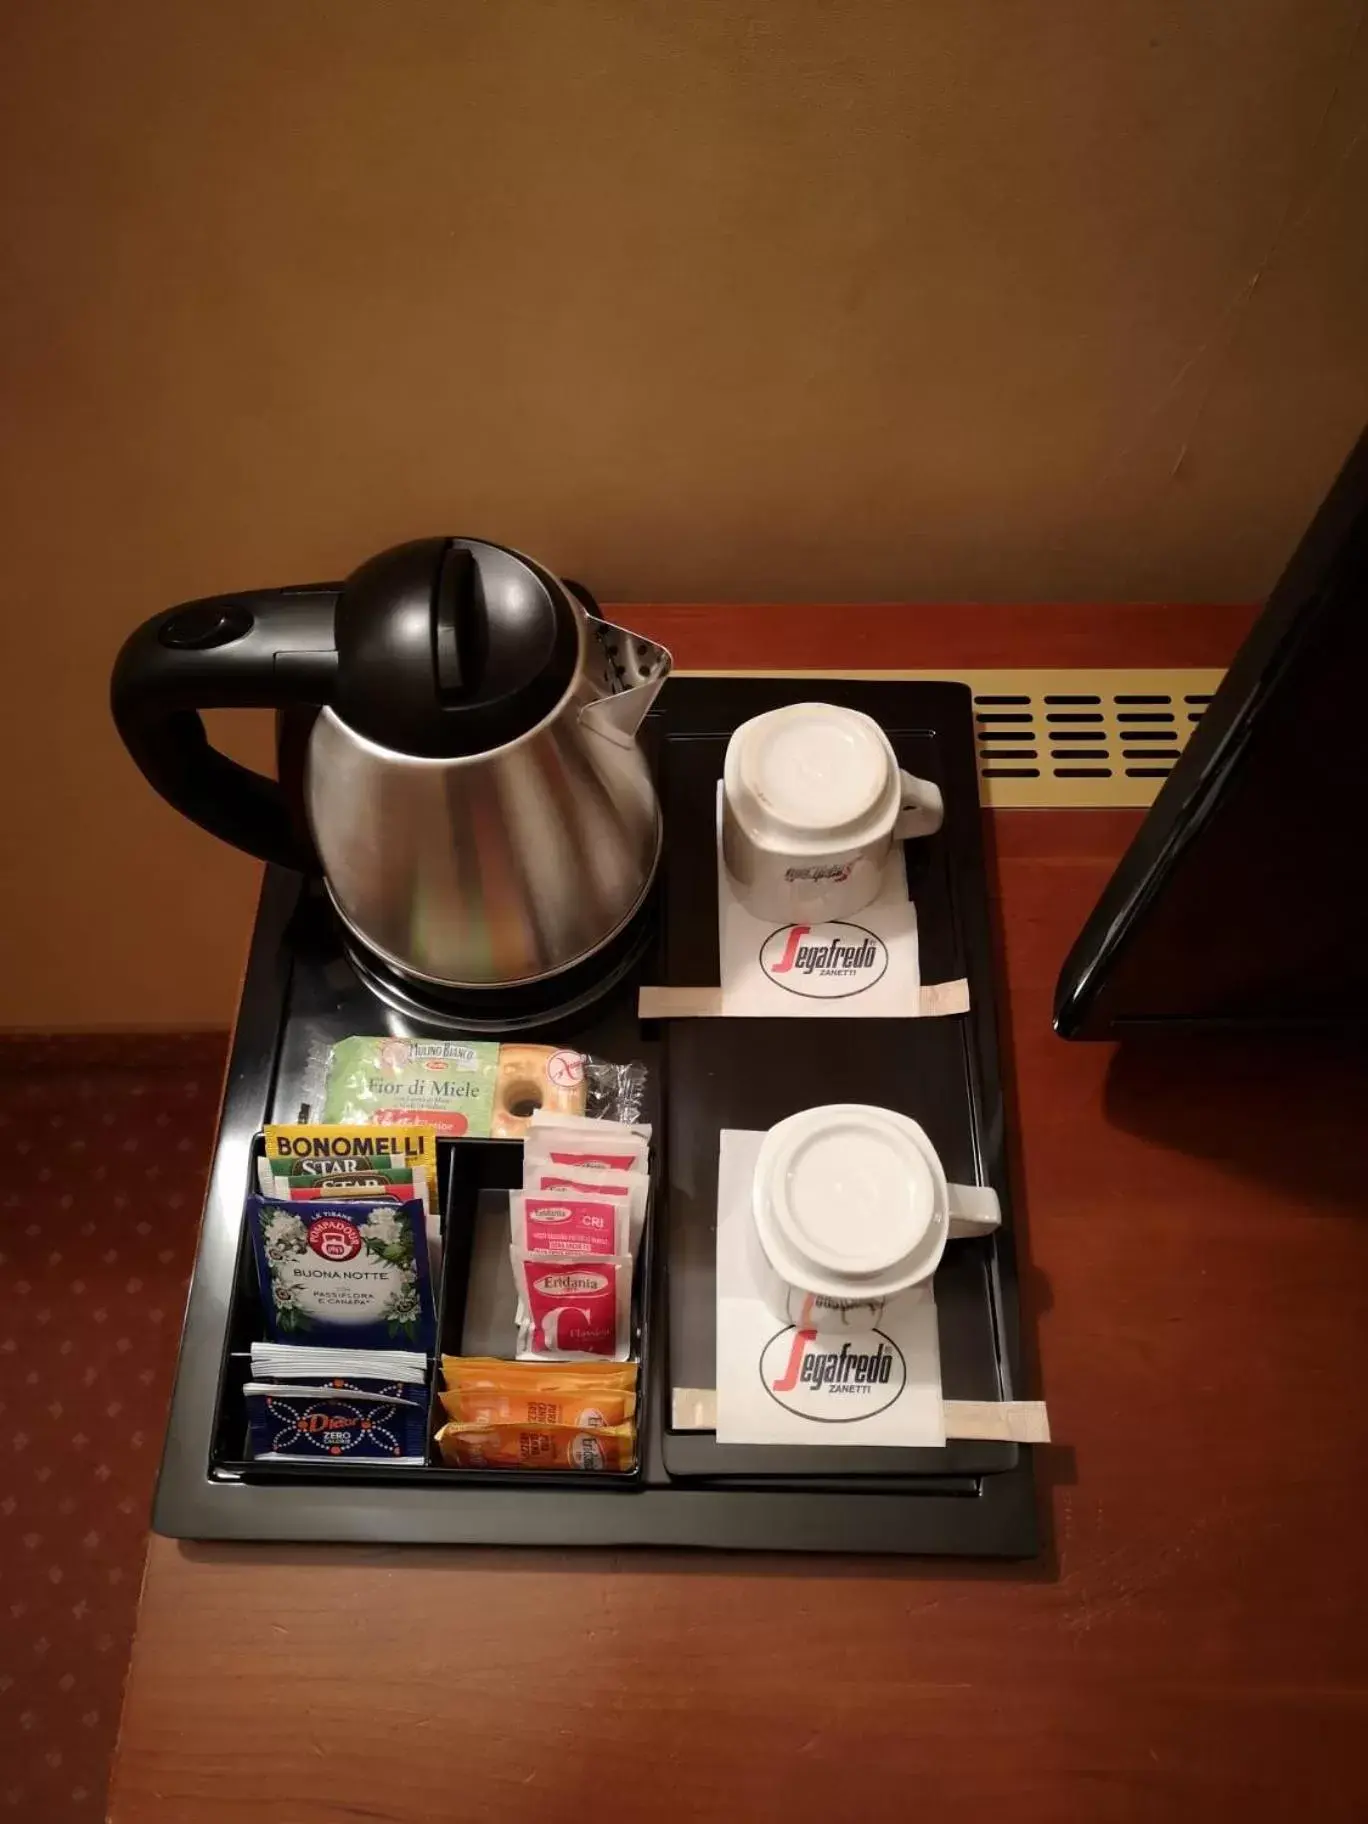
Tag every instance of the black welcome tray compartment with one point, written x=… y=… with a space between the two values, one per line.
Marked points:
x=302 y=994
x=475 y=1300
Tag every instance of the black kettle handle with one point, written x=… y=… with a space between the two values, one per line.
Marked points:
x=261 y=650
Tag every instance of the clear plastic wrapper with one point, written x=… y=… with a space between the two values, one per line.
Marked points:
x=466 y=1088
x=614 y=1092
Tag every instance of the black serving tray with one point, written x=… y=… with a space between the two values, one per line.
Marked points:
x=301 y=994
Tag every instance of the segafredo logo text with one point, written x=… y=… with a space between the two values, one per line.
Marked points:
x=824 y=962
x=836 y=1382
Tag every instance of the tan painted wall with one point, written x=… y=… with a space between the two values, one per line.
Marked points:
x=1003 y=298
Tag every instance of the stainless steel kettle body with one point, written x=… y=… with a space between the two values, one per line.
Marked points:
x=473 y=791
x=501 y=867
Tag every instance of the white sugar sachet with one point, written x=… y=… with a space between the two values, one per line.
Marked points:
x=588 y=1124
x=580 y=1149
x=573 y=1310
x=568 y=1225
x=629 y=1188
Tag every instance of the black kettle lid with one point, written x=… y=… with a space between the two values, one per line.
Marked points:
x=451 y=646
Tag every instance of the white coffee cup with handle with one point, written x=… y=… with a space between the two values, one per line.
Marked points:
x=851 y=1208
x=813 y=800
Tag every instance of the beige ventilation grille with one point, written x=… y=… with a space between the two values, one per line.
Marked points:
x=1084 y=738
x=1065 y=740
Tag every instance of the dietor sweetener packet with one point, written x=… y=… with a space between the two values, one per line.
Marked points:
x=573 y=1309
x=568 y=1225
x=513 y=1446
x=335 y=1424
x=587 y=1395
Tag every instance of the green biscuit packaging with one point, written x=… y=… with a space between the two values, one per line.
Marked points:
x=443 y=1084
x=466 y=1088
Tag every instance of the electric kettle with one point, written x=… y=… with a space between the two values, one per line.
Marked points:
x=472 y=788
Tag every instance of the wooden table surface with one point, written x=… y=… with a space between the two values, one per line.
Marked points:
x=1192 y=1642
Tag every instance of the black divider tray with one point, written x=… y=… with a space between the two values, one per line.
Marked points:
x=301 y=994
x=476 y=1315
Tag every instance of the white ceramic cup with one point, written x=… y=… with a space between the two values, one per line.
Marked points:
x=812 y=803
x=851 y=1207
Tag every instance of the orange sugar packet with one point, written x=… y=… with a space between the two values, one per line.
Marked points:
x=485 y=1389
x=588 y=1410
x=514 y=1446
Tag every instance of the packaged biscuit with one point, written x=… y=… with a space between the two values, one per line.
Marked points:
x=584 y=1395
x=470 y=1088
x=446 y=1084
x=324 y=1149
x=573 y=1309
x=568 y=1225
x=533 y=1079
x=514 y=1446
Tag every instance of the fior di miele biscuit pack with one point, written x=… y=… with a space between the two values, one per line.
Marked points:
x=445 y=1084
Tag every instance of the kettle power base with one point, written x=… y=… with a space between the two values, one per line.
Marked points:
x=528 y=1007
x=302 y=993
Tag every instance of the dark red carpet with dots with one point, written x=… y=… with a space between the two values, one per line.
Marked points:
x=106 y=1145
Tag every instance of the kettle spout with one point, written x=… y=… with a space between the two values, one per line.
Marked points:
x=629 y=670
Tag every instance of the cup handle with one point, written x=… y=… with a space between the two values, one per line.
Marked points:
x=923 y=809
x=974 y=1210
